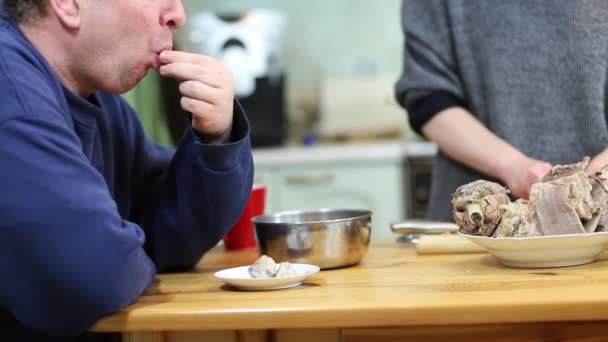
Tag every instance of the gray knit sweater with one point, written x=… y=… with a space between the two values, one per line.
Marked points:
x=532 y=71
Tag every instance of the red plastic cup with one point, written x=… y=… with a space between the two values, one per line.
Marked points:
x=242 y=234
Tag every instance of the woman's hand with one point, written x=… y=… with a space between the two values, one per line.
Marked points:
x=598 y=161
x=523 y=174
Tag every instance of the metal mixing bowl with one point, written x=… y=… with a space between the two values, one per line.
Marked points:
x=328 y=238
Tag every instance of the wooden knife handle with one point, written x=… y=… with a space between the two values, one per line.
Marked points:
x=447 y=243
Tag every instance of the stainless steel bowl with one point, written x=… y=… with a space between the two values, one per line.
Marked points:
x=328 y=238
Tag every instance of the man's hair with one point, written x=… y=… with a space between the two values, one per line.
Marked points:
x=22 y=10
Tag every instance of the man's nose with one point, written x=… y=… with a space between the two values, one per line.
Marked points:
x=173 y=15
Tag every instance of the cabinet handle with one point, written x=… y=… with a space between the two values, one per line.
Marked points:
x=310 y=180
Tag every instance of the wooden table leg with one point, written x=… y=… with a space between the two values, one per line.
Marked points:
x=145 y=336
x=196 y=336
x=253 y=336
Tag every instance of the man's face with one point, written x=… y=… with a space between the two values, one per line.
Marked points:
x=119 y=41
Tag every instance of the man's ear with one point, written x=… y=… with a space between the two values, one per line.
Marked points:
x=67 y=11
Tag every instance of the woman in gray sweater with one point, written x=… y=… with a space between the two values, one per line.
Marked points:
x=505 y=88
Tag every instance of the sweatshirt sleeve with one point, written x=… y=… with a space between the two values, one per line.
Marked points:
x=430 y=79
x=66 y=255
x=187 y=207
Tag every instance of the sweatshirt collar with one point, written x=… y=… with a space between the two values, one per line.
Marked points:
x=85 y=111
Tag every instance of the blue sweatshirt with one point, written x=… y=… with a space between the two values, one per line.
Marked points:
x=90 y=208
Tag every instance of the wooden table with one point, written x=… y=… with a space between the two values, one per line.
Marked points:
x=393 y=295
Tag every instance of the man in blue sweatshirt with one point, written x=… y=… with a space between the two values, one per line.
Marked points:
x=90 y=209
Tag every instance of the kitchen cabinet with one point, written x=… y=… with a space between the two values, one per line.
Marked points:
x=360 y=185
x=359 y=176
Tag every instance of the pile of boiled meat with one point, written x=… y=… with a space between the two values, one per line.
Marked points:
x=568 y=200
x=266 y=267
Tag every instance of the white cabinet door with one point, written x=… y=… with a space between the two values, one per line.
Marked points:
x=364 y=185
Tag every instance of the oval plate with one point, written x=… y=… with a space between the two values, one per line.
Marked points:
x=544 y=251
x=239 y=277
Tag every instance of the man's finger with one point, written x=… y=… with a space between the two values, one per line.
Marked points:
x=196 y=106
x=187 y=71
x=169 y=56
x=199 y=90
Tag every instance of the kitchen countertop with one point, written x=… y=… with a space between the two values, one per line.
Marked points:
x=388 y=150
x=392 y=287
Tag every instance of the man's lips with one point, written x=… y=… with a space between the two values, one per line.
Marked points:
x=157 y=63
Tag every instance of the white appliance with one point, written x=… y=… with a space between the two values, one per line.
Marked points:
x=251 y=45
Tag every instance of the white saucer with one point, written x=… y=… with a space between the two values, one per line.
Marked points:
x=239 y=277
x=544 y=251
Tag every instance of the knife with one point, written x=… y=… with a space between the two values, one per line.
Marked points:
x=434 y=237
x=424 y=227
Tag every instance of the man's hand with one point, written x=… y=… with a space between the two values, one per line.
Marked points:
x=207 y=91
x=523 y=174
x=598 y=161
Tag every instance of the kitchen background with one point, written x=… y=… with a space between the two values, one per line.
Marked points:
x=344 y=142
